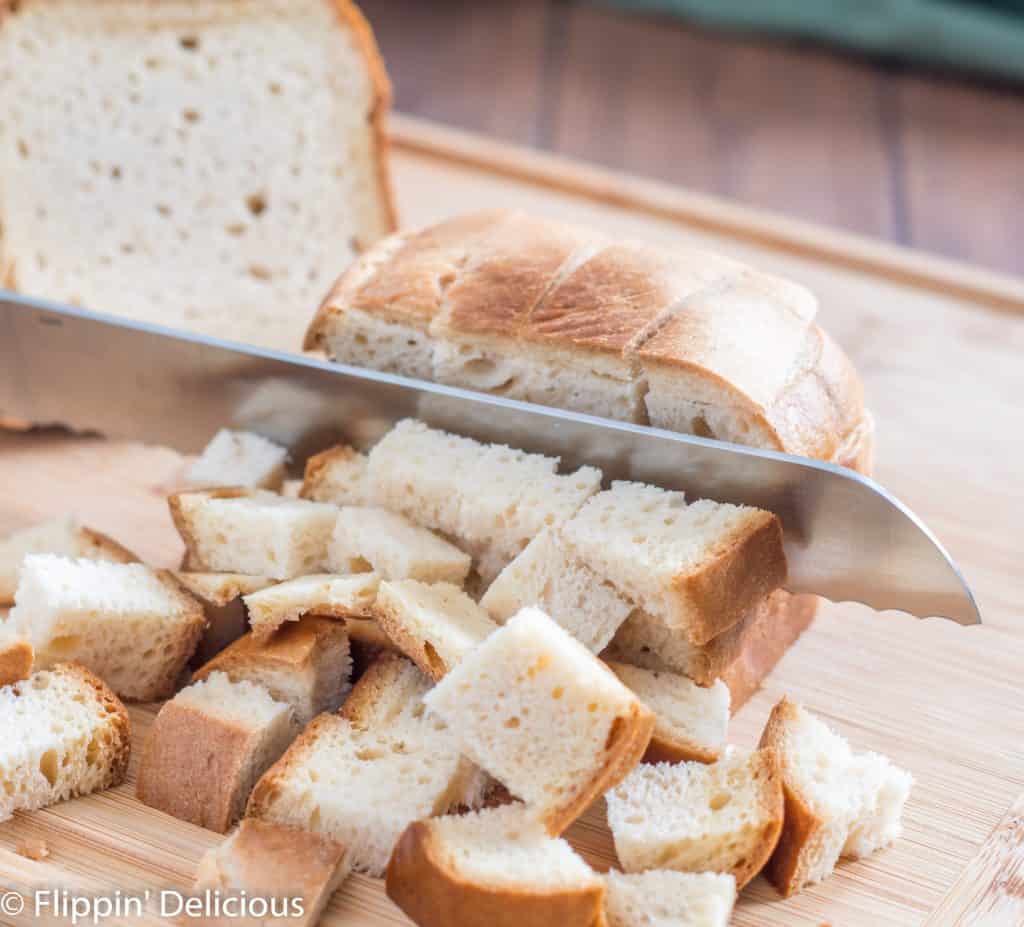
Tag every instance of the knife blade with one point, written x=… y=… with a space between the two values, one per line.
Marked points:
x=847 y=538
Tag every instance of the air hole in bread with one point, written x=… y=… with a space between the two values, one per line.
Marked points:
x=235 y=229
x=615 y=732
x=256 y=203
x=64 y=643
x=48 y=766
x=190 y=115
x=700 y=427
x=275 y=88
x=719 y=800
x=189 y=42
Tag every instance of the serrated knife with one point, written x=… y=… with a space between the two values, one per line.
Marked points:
x=847 y=538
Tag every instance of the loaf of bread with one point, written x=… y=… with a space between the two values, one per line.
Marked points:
x=297 y=870
x=838 y=803
x=489 y=499
x=664 y=898
x=134 y=627
x=207 y=748
x=361 y=777
x=694 y=817
x=492 y=868
x=64 y=734
x=220 y=594
x=306 y=664
x=541 y=714
x=536 y=310
x=239 y=458
x=218 y=163
x=435 y=626
x=64 y=536
x=252 y=531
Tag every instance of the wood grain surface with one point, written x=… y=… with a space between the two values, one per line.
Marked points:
x=920 y=158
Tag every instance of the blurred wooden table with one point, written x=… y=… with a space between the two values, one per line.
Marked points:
x=931 y=161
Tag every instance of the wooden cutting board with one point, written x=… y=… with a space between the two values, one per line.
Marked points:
x=941 y=351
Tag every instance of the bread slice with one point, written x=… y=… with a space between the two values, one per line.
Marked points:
x=489 y=499
x=337 y=475
x=320 y=594
x=394 y=547
x=541 y=714
x=698 y=567
x=362 y=776
x=695 y=817
x=492 y=868
x=435 y=626
x=691 y=722
x=838 y=803
x=220 y=594
x=64 y=536
x=207 y=748
x=663 y=898
x=239 y=458
x=64 y=734
x=221 y=163
x=306 y=664
x=16 y=656
x=286 y=865
x=741 y=657
x=134 y=627
x=252 y=531
x=546 y=575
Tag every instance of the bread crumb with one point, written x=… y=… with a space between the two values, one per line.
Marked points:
x=33 y=849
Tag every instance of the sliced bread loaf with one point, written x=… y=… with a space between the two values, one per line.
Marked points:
x=393 y=547
x=306 y=664
x=492 y=868
x=252 y=531
x=548 y=576
x=239 y=458
x=295 y=870
x=698 y=567
x=838 y=803
x=218 y=165
x=64 y=536
x=220 y=594
x=435 y=626
x=336 y=475
x=134 y=627
x=694 y=817
x=322 y=594
x=362 y=776
x=489 y=499
x=64 y=734
x=663 y=898
x=690 y=721
x=541 y=714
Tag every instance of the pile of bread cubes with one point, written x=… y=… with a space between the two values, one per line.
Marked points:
x=425 y=663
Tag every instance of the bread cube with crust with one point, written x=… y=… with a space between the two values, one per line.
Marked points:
x=337 y=475
x=326 y=594
x=663 y=898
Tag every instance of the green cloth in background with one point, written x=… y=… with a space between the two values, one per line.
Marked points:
x=985 y=36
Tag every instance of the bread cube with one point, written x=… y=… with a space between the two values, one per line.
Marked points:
x=838 y=802
x=220 y=594
x=663 y=898
x=321 y=594
x=64 y=536
x=548 y=576
x=492 y=868
x=264 y=860
x=394 y=547
x=207 y=748
x=694 y=817
x=306 y=664
x=337 y=475
x=690 y=721
x=64 y=734
x=544 y=716
x=134 y=627
x=239 y=458
x=698 y=567
x=252 y=531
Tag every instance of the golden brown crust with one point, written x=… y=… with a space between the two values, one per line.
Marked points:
x=787 y=868
x=120 y=748
x=318 y=466
x=772 y=804
x=98 y=543
x=628 y=740
x=423 y=883
x=16 y=657
x=664 y=748
x=746 y=566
